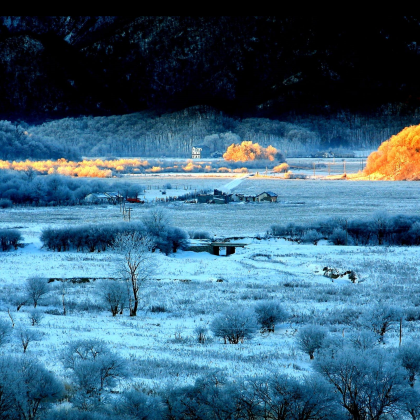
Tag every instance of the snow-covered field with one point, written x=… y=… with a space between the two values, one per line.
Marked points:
x=192 y=288
x=298 y=201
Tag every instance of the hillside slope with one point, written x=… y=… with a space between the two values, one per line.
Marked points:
x=247 y=66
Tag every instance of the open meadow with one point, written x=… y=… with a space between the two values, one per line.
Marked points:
x=298 y=201
x=162 y=345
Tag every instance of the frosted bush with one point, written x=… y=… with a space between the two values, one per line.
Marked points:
x=269 y=313
x=311 y=338
x=235 y=325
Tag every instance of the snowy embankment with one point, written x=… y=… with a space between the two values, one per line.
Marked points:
x=233 y=184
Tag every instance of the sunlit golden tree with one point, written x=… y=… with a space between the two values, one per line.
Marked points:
x=249 y=151
x=397 y=158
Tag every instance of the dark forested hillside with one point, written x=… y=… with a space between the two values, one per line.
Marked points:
x=173 y=134
x=247 y=66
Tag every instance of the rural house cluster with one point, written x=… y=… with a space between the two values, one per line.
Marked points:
x=219 y=197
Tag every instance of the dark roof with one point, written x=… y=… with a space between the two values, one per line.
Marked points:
x=235 y=244
x=271 y=194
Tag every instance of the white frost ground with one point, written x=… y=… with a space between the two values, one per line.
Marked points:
x=194 y=287
x=162 y=345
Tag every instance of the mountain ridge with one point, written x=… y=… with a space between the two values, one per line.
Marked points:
x=248 y=66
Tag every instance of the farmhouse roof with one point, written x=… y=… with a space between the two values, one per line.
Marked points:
x=98 y=195
x=113 y=194
x=271 y=194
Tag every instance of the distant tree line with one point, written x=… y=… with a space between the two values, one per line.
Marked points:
x=17 y=143
x=29 y=188
x=149 y=134
x=379 y=229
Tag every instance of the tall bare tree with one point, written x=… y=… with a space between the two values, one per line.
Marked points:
x=136 y=263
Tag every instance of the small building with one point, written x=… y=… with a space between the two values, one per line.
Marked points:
x=204 y=198
x=196 y=152
x=114 y=197
x=249 y=198
x=105 y=198
x=266 y=196
x=216 y=248
x=237 y=197
x=218 y=197
x=225 y=248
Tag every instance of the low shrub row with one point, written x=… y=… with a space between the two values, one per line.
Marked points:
x=93 y=238
x=9 y=238
x=379 y=229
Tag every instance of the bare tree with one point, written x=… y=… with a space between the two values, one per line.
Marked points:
x=369 y=384
x=5 y=331
x=95 y=369
x=36 y=287
x=380 y=318
x=114 y=294
x=88 y=349
x=311 y=338
x=156 y=220
x=26 y=336
x=63 y=289
x=27 y=388
x=136 y=264
x=35 y=316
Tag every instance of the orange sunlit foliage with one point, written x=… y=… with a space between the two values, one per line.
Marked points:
x=397 y=158
x=190 y=166
x=97 y=168
x=249 y=151
x=154 y=169
x=283 y=167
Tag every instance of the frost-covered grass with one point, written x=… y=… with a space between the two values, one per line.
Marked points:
x=192 y=288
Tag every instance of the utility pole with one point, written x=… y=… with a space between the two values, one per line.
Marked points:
x=347 y=236
x=129 y=213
